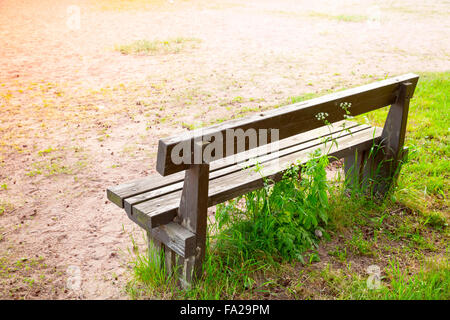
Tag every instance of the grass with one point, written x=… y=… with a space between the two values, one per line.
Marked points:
x=424 y=181
x=260 y=248
x=340 y=17
x=129 y=5
x=430 y=282
x=5 y=207
x=27 y=278
x=423 y=11
x=157 y=5
x=53 y=162
x=52 y=167
x=246 y=242
x=133 y=5
x=156 y=47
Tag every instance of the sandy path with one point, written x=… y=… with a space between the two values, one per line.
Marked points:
x=114 y=107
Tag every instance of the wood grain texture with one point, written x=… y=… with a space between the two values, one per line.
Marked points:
x=192 y=214
x=118 y=193
x=244 y=162
x=394 y=129
x=176 y=238
x=393 y=137
x=292 y=119
x=164 y=208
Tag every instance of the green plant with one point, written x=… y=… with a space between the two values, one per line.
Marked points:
x=150 y=270
x=51 y=167
x=425 y=284
x=339 y=253
x=280 y=219
x=274 y=224
x=152 y=47
x=46 y=151
x=359 y=245
x=5 y=207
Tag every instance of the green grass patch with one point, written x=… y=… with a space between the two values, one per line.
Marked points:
x=340 y=17
x=157 y=47
x=5 y=207
x=429 y=282
x=28 y=278
x=45 y=151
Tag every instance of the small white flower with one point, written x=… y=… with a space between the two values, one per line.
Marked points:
x=321 y=116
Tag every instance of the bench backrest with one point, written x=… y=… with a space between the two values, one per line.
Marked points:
x=289 y=120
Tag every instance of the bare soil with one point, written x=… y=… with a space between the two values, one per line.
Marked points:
x=78 y=116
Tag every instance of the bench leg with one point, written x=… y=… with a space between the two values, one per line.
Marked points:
x=371 y=171
x=381 y=171
x=193 y=216
x=167 y=258
x=389 y=161
x=361 y=168
x=352 y=168
x=155 y=248
x=379 y=167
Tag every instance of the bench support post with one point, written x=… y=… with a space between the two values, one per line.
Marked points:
x=193 y=216
x=155 y=249
x=352 y=168
x=376 y=169
x=385 y=164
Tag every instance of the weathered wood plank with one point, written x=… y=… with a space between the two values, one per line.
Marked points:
x=225 y=188
x=176 y=238
x=118 y=193
x=232 y=186
x=292 y=119
x=394 y=129
x=192 y=214
x=353 y=164
x=129 y=202
x=393 y=136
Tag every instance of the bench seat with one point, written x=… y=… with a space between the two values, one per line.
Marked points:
x=153 y=201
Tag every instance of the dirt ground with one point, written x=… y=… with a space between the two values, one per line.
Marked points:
x=78 y=116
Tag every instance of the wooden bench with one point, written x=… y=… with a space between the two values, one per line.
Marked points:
x=172 y=204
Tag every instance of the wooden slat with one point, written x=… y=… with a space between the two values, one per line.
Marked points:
x=129 y=202
x=292 y=119
x=163 y=209
x=118 y=193
x=176 y=238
